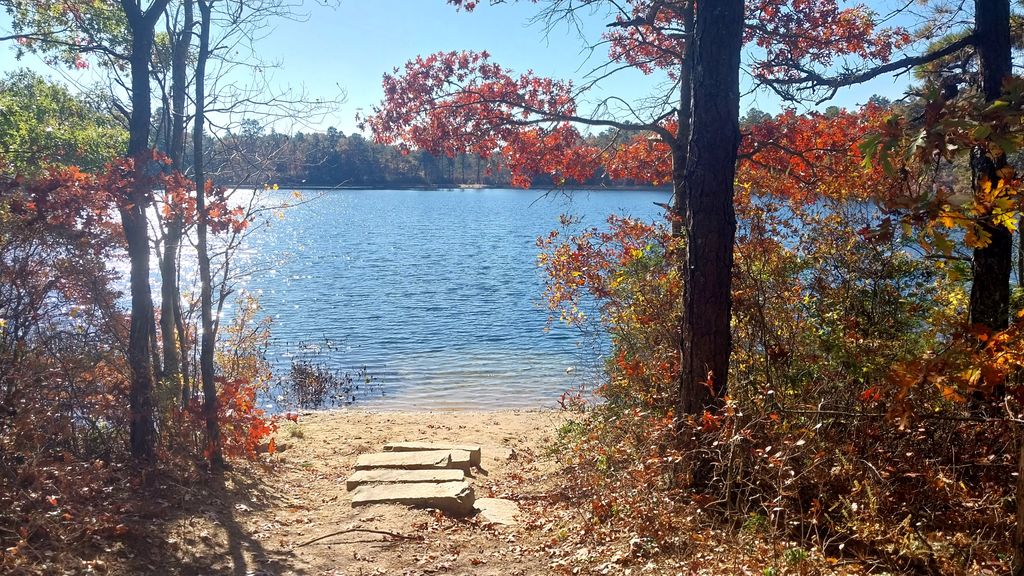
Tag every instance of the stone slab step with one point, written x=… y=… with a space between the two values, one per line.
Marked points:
x=429 y=459
x=395 y=475
x=452 y=497
x=497 y=511
x=474 y=450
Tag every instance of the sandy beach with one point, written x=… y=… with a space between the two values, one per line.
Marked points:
x=269 y=513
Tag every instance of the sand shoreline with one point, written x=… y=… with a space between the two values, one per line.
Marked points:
x=267 y=514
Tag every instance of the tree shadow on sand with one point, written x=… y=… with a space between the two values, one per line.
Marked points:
x=199 y=529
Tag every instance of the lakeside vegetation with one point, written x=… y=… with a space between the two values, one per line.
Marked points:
x=816 y=357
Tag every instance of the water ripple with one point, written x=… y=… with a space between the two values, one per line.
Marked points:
x=436 y=293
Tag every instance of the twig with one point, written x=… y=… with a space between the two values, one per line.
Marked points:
x=349 y=530
x=866 y=415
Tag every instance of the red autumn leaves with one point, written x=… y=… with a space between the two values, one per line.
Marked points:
x=455 y=103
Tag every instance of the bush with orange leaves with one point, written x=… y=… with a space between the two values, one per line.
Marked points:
x=806 y=448
x=66 y=486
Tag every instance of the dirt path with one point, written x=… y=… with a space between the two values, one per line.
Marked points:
x=264 y=516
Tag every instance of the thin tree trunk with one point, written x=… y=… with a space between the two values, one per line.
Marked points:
x=140 y=396
x=169 y=289
x=1018 y=549
x=154 y=347
x=710 y=217
x=206 y=351
x=683 y=121
x=679 y=147
x=142 y=434
x=168 y=303
x=183 y=343
x=1020 y=252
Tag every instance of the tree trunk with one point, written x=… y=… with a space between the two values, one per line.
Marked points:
x=209 y=339
x=990 y=291
x=678 y=147
x=168 y=302
x=1018 y=550
x=1020 y=252
x=136 y=231
x=140 y=396
x=710 y=222
x=169 y=289
x=683 y=122
x=183 y=343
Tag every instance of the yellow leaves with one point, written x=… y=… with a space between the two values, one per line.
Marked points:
x=971 y=376
x=616 y=280
x=976 y=237
x=996 y=196
x=1006 y=219
x=985 y=193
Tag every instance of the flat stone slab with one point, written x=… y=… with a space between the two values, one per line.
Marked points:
x=428 y=459
x=497 y=511
x=474 y=450
x=451 y=497
x=395 y=475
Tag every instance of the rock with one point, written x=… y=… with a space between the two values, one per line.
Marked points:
x=458 y=459
x=497 y=511
x=452 y=497
x=394 y=476
x=503 y=453
x=474 y=451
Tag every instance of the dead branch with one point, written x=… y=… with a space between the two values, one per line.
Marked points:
x=367 y=530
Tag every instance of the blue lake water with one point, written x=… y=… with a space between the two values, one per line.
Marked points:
x=436 y=293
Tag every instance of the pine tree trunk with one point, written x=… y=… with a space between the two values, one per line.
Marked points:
x=990 y=291
x=710 y=223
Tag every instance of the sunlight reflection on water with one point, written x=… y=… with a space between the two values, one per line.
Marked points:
x=436 y=293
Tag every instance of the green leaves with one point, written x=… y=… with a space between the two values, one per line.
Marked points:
x=43 y=123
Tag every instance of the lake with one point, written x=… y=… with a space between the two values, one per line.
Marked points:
x=436 y=293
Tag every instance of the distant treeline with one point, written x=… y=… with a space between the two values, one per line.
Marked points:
x=333 y=159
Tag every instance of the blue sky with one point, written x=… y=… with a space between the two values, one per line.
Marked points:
x=349 y=47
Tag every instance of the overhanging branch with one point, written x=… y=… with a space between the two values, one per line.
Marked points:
x=814 y=80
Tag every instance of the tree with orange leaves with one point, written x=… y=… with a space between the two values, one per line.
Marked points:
x=462 y=102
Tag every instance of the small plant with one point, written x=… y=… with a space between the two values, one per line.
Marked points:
x=794 y=556
x=311 y=383
x=569 y=434
x=754 y=524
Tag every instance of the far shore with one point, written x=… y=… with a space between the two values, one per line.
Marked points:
x=473 y=187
